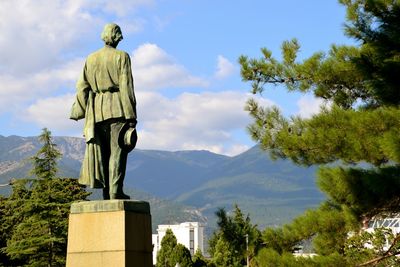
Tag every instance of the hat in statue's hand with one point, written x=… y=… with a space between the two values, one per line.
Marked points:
x=127 y=138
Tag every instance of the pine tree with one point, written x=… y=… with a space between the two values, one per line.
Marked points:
x=35 y=222
x=355 y=139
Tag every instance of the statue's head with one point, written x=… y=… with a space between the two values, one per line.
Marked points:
x=111 y=34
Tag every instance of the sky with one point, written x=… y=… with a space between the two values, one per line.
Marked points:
x=189 y=92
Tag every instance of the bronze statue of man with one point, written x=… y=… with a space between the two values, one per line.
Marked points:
x=105 y=98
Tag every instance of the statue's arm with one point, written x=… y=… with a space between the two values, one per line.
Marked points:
x=126 y=88
x=82 y=91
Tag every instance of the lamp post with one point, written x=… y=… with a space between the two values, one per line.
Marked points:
x=247 y=249
x=9 y=183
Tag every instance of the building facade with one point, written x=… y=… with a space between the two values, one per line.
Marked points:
x=189 y=234
x=392 y=223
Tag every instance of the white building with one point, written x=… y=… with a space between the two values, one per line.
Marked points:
x=189 y=234
x=391 y=223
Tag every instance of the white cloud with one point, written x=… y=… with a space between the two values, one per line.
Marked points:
x=224 y=68
x=193 y=121
x=309 y=105
x=16 y=92
x=37 y=34
x=38 y=37
x=53 y=113
x=188 y=122
x=236 y=149
x=153 y=69
x=39 y=63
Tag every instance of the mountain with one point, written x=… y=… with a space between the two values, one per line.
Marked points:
x=272 y=192
x=194 y=182
x=169 y=174
x=14 y=163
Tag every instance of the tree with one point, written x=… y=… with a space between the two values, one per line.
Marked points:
x=198 y=259
x=164 y=255
x=228 y=246
x=172 y=253
x=225 y=255
x=9 y=208
x=45 y=160
x=355 y=138
x=34 y=227
x=181 y=255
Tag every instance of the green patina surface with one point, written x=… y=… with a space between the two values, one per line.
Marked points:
x=105 y=98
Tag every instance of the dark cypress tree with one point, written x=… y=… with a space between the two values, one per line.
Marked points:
x=35 y=222
x=45 y=160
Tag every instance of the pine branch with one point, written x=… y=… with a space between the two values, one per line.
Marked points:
x=386 y=255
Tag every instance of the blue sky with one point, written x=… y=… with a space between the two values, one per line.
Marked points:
x=184 y=58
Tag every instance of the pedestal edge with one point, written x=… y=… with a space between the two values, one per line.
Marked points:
x=110 y=205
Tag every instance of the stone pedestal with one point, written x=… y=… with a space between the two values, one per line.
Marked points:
x=109 y=233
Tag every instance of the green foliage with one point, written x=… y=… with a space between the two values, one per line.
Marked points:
x=357 y=135
x=39 y=223
x=34 y=218
x=181 y=255
x=172 y=253
x=334 y=134
x=228 y=246
x=225 y=254
x=327 y=227
x=45 y=160
x=362 y=246
x=198 y=259
x=164 y=255
x=365 y=192
x=269 y=257
x=375 y=23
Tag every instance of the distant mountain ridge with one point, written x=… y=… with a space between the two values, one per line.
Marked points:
x=272 y=192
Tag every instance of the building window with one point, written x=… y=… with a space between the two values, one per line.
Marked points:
x=191 y=241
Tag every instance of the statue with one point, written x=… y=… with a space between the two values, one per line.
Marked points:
x=105 y=98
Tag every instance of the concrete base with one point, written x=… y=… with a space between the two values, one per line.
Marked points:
x=109 y=233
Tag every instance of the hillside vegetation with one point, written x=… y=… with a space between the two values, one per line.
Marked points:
x=189 y=185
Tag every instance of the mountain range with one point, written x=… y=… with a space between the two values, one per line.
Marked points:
x=188 y=185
